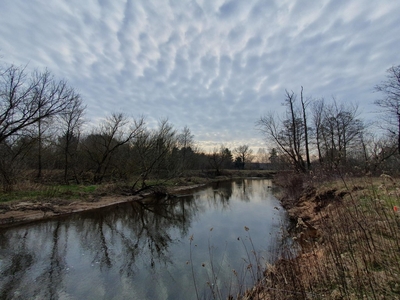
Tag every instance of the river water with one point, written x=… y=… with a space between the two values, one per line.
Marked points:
x=205 y=245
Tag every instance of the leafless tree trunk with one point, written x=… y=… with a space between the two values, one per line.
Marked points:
x=287 y=134
x=294 y=122
x=390 y=104
x=27 y=104
x=337 y=130
x=303 y=106
x=102 y=144
x=71 y=122
x=26 y=101
x=185 y=145
x=317 y=113
x=343 y=127
x=244 y=153
x=151 y=149
x=272 y=128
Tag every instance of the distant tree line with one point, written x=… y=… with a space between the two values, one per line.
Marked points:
x=330 y=135
x=43 y=138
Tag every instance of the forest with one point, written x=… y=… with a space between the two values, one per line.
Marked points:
x=44 y=138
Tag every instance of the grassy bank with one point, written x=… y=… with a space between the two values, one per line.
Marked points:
x=29 y=190
x=31 y=201
x=347 y=232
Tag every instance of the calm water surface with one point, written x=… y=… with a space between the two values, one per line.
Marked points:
x=147 y=251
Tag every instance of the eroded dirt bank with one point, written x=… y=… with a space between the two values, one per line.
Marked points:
x=20 y=212
x=24 y=211
x=347 y=233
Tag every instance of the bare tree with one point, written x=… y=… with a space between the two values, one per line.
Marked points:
x=102 y=144
x=26 y=101
x=185 y=138
x=337 y=131
x=304 y=104
x=390 y=104
x=219 y=159
x=151 y=150
x=295 y=129
x=317 y=110
x=287 y=133
x=71 y=121
x=245 y=154
x=185 y=147
x=274 y=159
x=27 y=104
x=271 y=126
x=380 y=153
x=336 y=126
x=262 y=156
x=45 y=85
x=12 y=154
x=340 y=130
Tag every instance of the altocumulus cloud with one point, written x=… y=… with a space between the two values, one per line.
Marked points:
x=213 y=65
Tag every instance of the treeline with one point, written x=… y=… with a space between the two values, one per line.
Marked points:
x=329 y=135
x=43 y=139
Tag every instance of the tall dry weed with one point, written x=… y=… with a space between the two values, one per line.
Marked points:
x=356 y=254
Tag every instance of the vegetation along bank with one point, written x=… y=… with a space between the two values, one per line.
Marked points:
x=338 y=173
x=347 y=238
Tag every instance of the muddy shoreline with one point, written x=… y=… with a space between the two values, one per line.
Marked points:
x=23 y=212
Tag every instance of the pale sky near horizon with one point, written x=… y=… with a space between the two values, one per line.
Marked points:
x=215 y=66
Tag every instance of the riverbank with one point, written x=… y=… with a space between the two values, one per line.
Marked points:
x=34 y=202
x=187 y=243
x=25 y=211
x=347 y=233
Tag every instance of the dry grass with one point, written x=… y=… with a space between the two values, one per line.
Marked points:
x=349 y=244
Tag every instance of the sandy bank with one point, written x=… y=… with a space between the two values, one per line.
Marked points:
x=18 y=212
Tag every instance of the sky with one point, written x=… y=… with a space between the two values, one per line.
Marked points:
x=215 y=66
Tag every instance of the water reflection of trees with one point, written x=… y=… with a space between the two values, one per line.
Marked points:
x=135 y=229
x=27 y=253
x=53 y=273
x=247 y=189
x=114 y=237
x=218 y=195
x=13 y=264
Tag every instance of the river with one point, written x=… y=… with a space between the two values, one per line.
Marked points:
x=205 y=245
